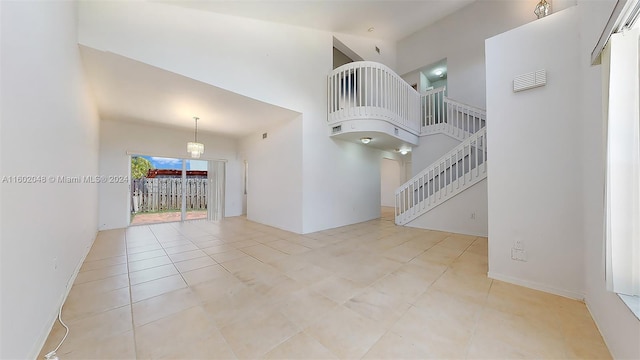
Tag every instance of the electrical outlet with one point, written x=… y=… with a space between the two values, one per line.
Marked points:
x=518 y=255
x=518 y=245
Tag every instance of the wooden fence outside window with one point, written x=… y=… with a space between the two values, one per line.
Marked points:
x=165 y=194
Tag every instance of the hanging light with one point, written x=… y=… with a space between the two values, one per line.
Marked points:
x=543 y=8
x=195 y=148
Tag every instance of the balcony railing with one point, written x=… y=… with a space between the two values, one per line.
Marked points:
x=369 y=90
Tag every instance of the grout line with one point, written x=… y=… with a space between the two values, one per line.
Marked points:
x=477 y=320
x=347 y=237
x=133 y=325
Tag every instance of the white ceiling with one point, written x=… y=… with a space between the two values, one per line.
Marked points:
x=128 y=90
x=430 y=71
x=391 y=19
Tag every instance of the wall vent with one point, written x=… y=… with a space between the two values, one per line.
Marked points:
x=336 y=129
x=530 y=80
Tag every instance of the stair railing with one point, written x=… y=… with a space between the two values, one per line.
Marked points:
x=463 y=119
x=457 y=170
x=439 y=114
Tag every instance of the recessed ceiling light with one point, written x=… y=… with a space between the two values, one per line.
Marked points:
x=371 y=29
x=438 y=72
x=365 y=140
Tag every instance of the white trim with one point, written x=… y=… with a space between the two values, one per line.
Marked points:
x=632 y=302
x=623 y=166
x=624 y=13
x=537 y=286
x=52 y=321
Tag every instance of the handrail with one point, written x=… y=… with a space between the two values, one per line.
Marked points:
x=455 y=171
x=461 y=120
x=467 y=109
x=432 y=107
x=370 y=90
x=443 y=115
x=434 y=90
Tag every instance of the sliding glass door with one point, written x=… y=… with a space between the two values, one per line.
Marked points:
x=172 y=189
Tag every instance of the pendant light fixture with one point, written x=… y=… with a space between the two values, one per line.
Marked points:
x=195 y=148
x=543 y=8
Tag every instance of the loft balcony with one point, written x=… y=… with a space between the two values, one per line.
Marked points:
x=367 y=99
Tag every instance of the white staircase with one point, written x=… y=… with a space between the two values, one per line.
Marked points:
x=457 y=170
x=368 y=100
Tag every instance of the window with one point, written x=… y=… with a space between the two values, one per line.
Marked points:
x=621 y=64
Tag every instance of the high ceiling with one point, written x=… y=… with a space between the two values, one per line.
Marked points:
x=127 y=90
x=390 y=19
x=131 y=91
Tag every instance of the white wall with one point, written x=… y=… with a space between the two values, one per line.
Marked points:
x=430 y=149
x=49 y=128
x=118 y=140
x=390 y=174
x=535 y=161
x=460 y=38
x=465 y=213
x=278 y=64
x=275 y=167
x=342 y=183
x=414 y=77
x=619 y=327
x=365 y=47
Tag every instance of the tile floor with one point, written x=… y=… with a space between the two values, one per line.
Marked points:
x=237 y=289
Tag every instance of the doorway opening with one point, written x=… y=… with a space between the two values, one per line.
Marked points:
x=429 y=77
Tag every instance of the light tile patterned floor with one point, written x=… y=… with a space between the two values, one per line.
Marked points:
x=237 y=289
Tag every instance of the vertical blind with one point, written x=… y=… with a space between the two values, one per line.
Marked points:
x=621 y=103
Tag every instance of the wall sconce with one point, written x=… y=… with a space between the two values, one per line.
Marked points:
x=542 y=9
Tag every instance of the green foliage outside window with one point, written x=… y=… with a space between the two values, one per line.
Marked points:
x=140 y=167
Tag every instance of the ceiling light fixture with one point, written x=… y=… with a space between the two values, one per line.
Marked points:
x=542 y=9
x=438 y=72
x=195 y=148
x=365 y=140
x=404 y=151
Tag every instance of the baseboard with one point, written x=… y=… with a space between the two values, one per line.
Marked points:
x=596 y=321
x=453 y=231
x=47 y=330
x=537 y=286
